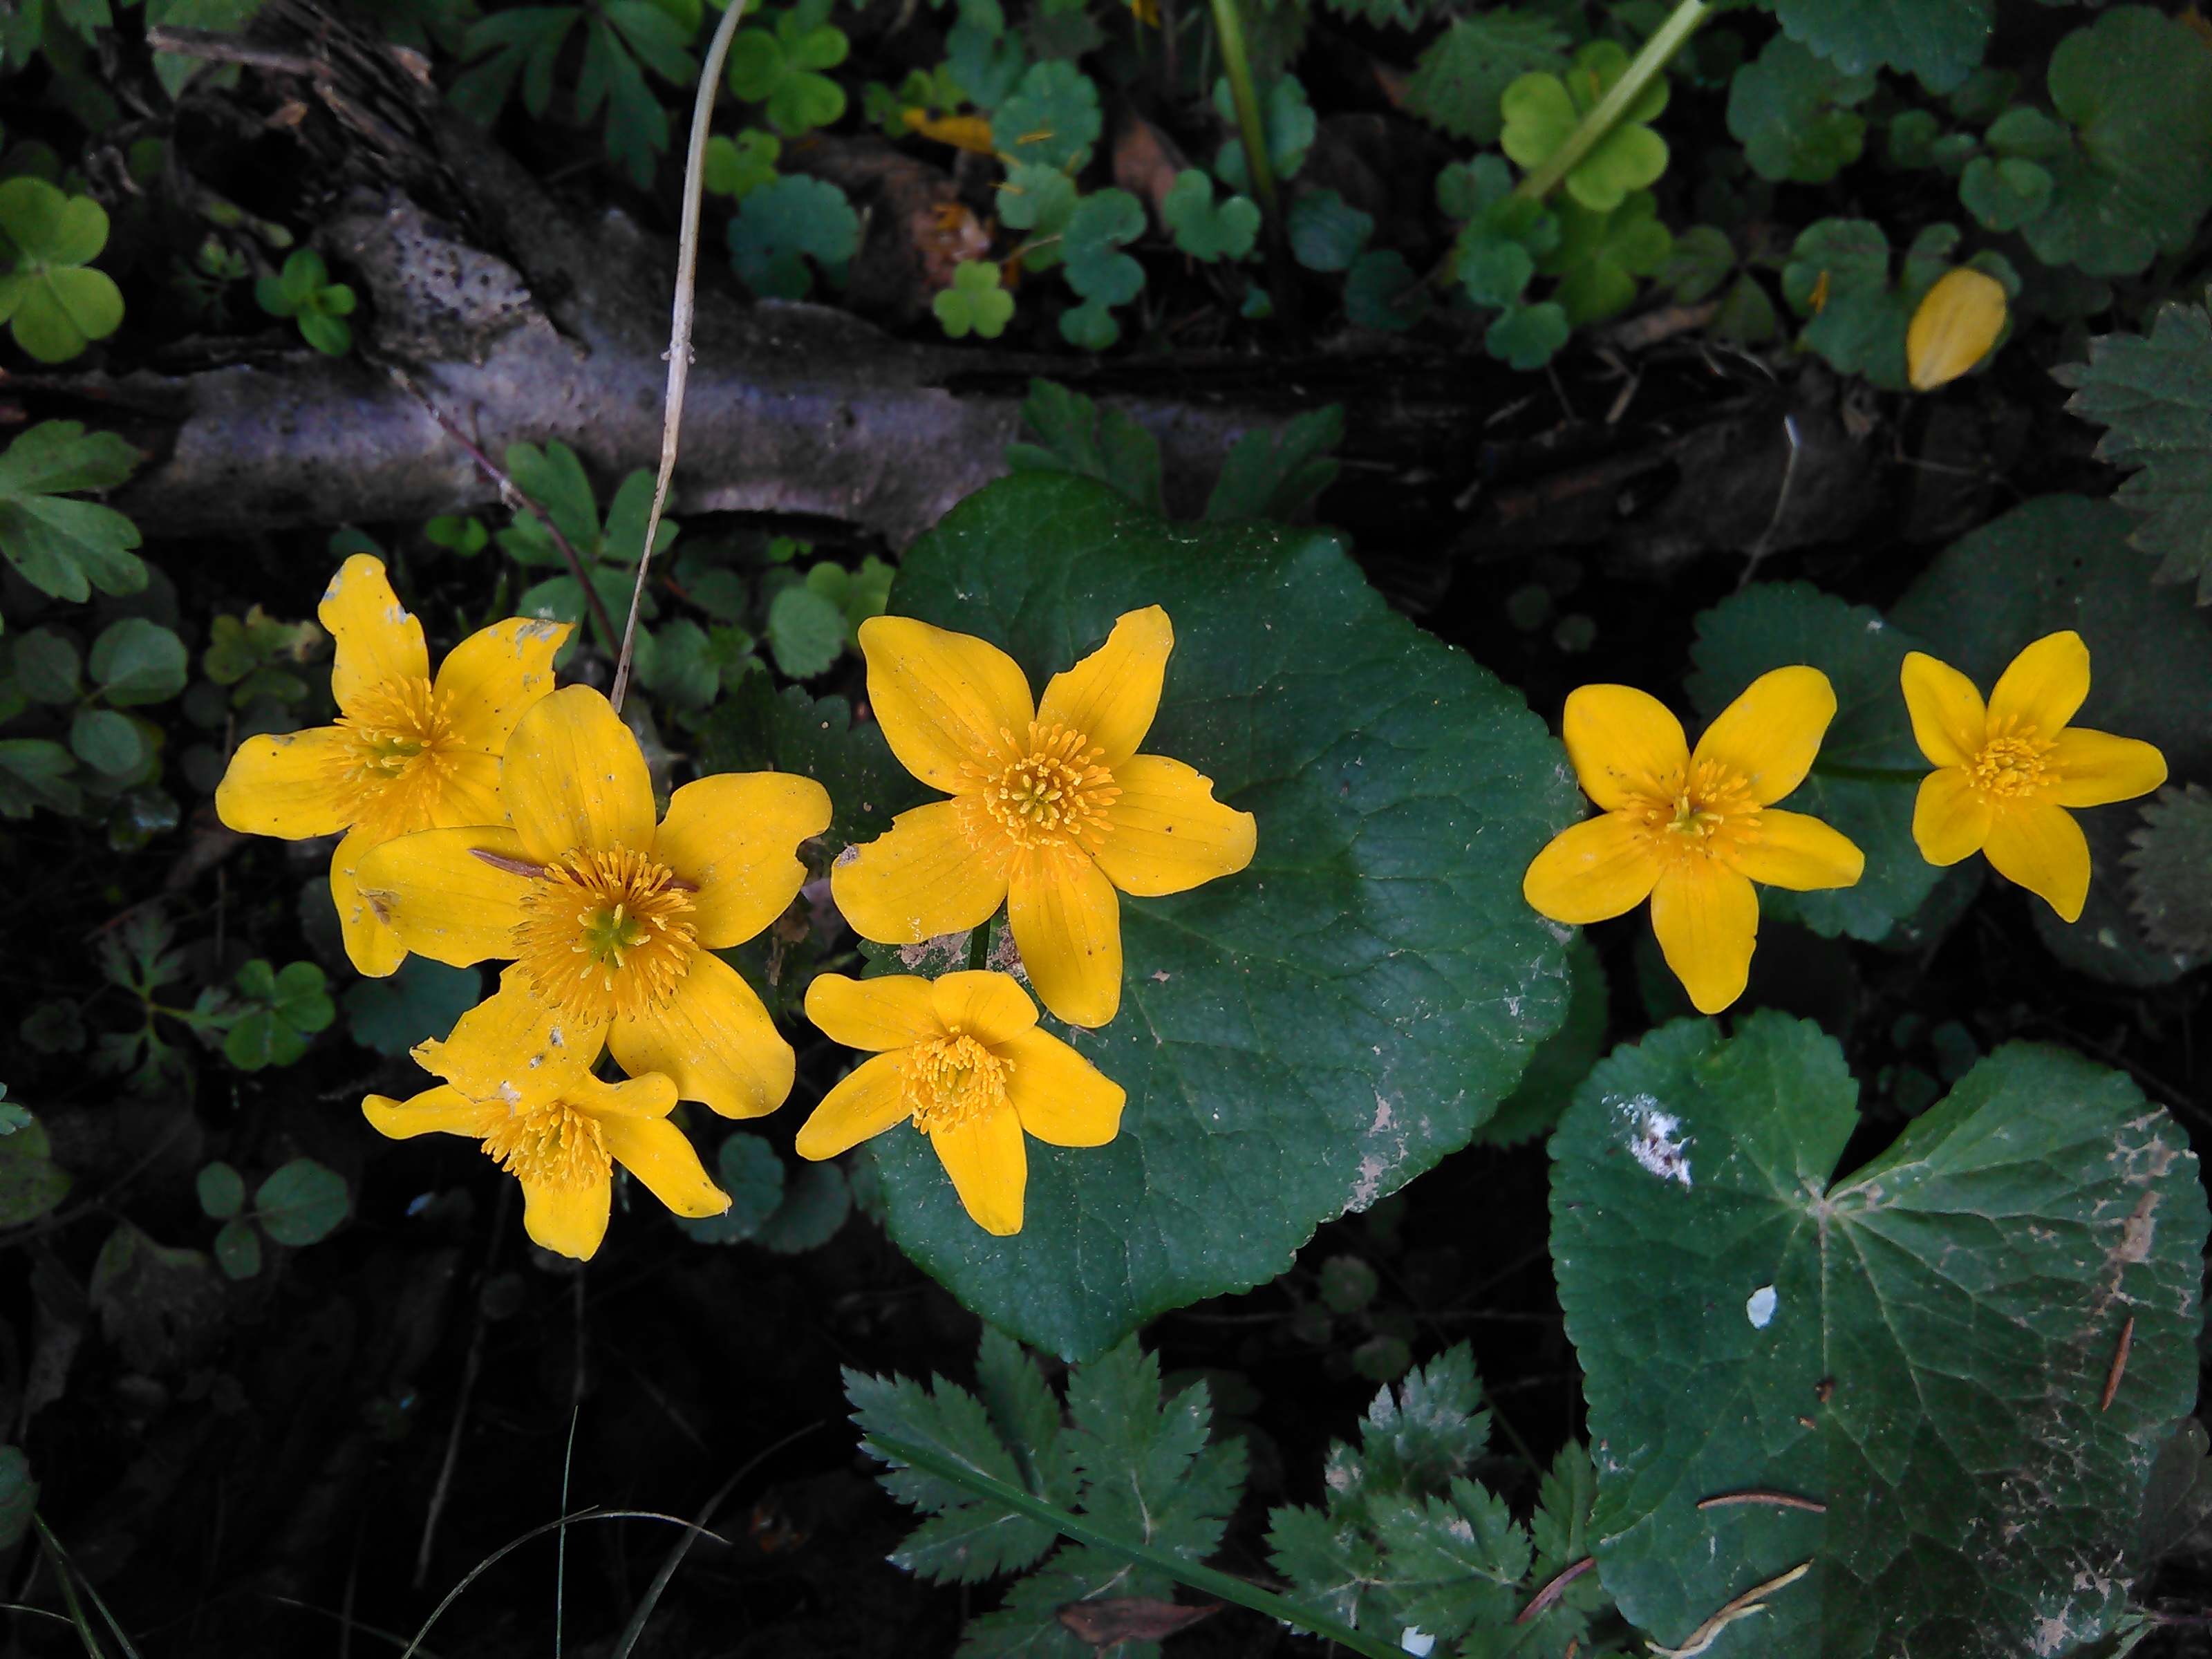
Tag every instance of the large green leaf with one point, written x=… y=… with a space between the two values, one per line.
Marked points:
x=2064 y=561
x=1298 y=1040
x=1869 y=772
x=1939 y=40
x=1924 y=1346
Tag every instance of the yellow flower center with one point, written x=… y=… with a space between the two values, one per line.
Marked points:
x=953 y=1080
x=400 y=755
x=1713 y=814
x=1053 y=791
x=2012 y=765
x=605 y=935
x=550 y=1144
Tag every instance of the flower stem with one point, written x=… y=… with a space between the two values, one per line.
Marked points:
x=1230 y=29
x=1657 y=50
x=1206 y=1580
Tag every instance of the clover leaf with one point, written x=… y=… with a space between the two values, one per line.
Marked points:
x=975 y=302
x=1504 y=234
x=738 y=166
x=1528 y=336
x=2136 y=176
x=1042 y=200
x=301 y=1203
x=1383 y=291
x=62 y=547
x=1461 y=77
x=1838 y=276
x=305 y=293
x=1600 y=255
x=1542 y=111
x=283 y=1010
x=748 y=1169
x=786 y=224
x=1327 y=233
x=1097 y=269
x=1290 y=127
x=1916 y=1344
x=1051 y=120
x=54 y=304
x=1792 y=114
x=1204 y=230
x=1939 y=40
x=781 y=71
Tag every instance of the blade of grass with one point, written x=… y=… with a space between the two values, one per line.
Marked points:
x=350 y=1623
x=1207 y=1580
x=66 y=1570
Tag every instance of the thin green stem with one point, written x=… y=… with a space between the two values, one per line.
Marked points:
x=1206 y=1580
x=1601 y=120
x=1250 y=127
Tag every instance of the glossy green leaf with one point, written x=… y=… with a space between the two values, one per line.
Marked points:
x=784 y=224
x=1561 y=1061
x=1052 y=120
x=757 y=728
x=1298 y=1040
x=1462 y=76
x=418 y=1004
x=1868 y=771
x=1921 y=1345
x=1939 y=40
x=302 y=1203
x=2150 y=392
x=63 y=547
x=107 y=742
x=136 y=661
x=2063 y=561
x=1793 y=114
x=1204 y=229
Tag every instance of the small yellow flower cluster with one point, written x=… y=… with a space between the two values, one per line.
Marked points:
x=487 y=816
x=1692 y=830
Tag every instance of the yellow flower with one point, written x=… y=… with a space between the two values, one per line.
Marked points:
x=1052 y=809
x=1957 y=322
x=1690 y=831
x=407 y=753
x=611 y=920
x=516 y=1081
x=962 y=1058
x=2008 y=772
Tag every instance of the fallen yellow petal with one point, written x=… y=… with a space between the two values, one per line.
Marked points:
x=1957 y=321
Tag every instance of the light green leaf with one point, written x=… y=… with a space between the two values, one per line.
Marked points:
x=53 y=305
x=418 y=1004
x=1939 y=40
x=1542 y=111
x=1921 y=1345
x=2155 y=395
x=804 y=631
x=137 y=661
x=301 y=1204
x=1203 y=230
x=1867 y=774
x=737 y=167
x=1561 y=1061
x=975 y=303
x=2063 y=561
x=62 y=547
x=1601 y=255
x=1367 y=990
x=748 y=1169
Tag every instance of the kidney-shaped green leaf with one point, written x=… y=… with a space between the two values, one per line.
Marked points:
x=1298 y=1040
x=1925 y=1346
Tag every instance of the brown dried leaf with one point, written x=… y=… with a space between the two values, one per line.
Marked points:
x=1146 y=163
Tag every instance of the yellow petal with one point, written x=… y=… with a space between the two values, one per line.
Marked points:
x=989 y=1167
x=989 y=1007
x=1950 y=817
x=1066 y=923
x=1770 y=734
x=890 y=1012
x=2095 y=767
x=1949 y=720
x=377 y=639
x=654 y=1151
x=372 y=944
x=714 y=1038
x=573 y=777
x=866 y=1101
x=1060 y=1097
x=514 y=1046
x=2046 y=683
x=442 y=1110
x=1170 y=833
x=2041 y=848
x=289 y=784
x=942 y=698
x=1600 y=868
x=735 y=837
x=569 y=1221
x=446 y=903
x=467 y=791
x=1799 y=852
x=1623 y=742
x=921 y=879
x=1953 y=327
x=491 y=676
x=1707 y=921
x=1111 y=695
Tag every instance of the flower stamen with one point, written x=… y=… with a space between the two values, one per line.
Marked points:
x=401 y=752
x=550 y=1144
x=953 y=1080
x=2012 y=765
x=1054 y=791
x=1710 y=814
x=605 y=935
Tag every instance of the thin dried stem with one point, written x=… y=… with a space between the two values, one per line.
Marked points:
x=679 y=323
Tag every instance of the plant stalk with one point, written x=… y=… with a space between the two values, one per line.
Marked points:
x=1651 y=61
x=1207 y=1580
x=679 y=323
x=1250 y=127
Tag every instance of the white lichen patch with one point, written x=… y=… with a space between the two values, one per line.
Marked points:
x=1652 y=1141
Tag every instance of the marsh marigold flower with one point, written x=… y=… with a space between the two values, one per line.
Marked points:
x=408 y=752
x=611 y=920
x=517 y=1081
x=1691 y=831
x=960 y=1057
x=1052 y=809
x=2008 y=772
